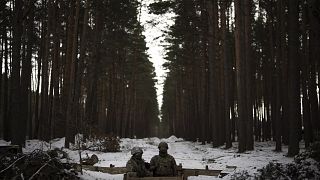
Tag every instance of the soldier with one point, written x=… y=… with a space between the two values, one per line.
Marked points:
x=136 y=166
x=163 y=164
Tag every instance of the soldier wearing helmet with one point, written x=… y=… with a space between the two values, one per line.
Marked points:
x=163 y=164
x=136 y=166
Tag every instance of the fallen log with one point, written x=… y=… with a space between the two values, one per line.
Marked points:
x=109 y=170
x=13 y=149
x=40 y=169
x=125 y=177
x=183 y=173
x=36 y=165
x=12 y=164
x=203 y=172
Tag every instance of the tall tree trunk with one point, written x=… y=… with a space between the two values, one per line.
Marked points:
x=203 y=79
x=308 y=131
x=314 y=61
x=293 y=80
x=44 y=129
x=36 y=123
x=3 y=34
x=240 y=73
x=27 y=71
x=248 y=74
x=95 y=72
x=71 y=61
x=55 y=74
x=81 y=65
x=284 y=75
x=280 y=58
x=18 y=131
x=6 y=123
x=227 y=73
x=212 y=52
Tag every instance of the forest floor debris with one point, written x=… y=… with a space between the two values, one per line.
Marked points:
x=38 y=164
x=97 y=142
x=189 y=154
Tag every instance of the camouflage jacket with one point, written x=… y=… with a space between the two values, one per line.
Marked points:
x=163 y=165
x=138 y=166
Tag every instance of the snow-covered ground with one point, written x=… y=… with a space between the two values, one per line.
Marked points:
x=189 y=154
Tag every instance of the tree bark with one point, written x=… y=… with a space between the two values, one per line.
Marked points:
x=27 y=71
x=3 y=34
x=248 y=74
x=308 y=130
x=212 y=53
x=280 y=58
x=81 y=64
x=293 y=80
x=240 y=74
x=6 y=122
x=17 y=121
x=71 y=61
x=314 y=37
x=227 y=72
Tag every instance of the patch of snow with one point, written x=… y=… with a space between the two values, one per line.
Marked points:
x=172 y=139
x=203 y=178
x=34 y=144
x=189 y=154
x=4 y=143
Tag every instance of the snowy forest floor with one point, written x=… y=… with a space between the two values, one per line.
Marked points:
x=189 y=154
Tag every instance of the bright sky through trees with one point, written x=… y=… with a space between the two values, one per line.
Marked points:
x=153 y=27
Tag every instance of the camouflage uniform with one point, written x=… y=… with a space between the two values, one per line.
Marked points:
x=163 y=164
x=136 y=166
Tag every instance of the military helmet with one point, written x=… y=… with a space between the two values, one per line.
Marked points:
x=136 y=150
x=163 y=144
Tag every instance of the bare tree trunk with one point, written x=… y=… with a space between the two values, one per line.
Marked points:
x=101 y=99
x=294 y=90
x=308 y=130
x=227 y=73
x=280 y=58
x=284 y=77
x=44 y=118
x=95 y=69
x=6 y=122
x=314 y=61
x=212 y=53
x=71 y=59
x=17 y=121
x=202 y=79
x=81 y=65
x=55 y=75
x=27 y=71
x=240 y=69
x=248 y=74
x=36 y=124
x=3 y=34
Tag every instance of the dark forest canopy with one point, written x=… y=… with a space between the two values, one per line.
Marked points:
x=74 y=67
x=238 y=71
x=243 y=71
